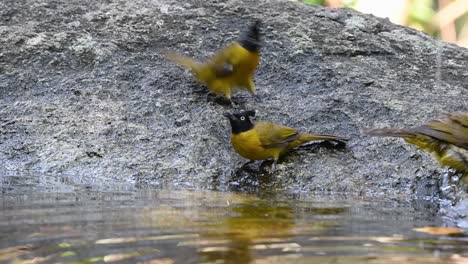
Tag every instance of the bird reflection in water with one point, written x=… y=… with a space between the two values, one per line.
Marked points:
x=253 y=223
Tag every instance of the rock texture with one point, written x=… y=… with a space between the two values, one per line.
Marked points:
x=85 y=92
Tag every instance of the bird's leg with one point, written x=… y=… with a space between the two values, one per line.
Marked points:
x=453 y=177
x=448 y=184
x=248 y=162
x=273 y=167
x=229 y=100
x=266 y=167
x=244 y=167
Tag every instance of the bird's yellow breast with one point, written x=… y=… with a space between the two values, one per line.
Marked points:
x=247 y=60
x=244 y=64
x=248 y=145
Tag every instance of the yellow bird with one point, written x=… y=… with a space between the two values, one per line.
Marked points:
x=230 y=68
x=264 y=140
x=445 y=137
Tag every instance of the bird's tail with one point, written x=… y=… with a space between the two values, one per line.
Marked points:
x=251 y=38
x=390 y=132
x=304 y=138
x=182 y=60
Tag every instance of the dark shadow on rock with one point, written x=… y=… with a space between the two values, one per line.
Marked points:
x=255 y=176
x=335 y=145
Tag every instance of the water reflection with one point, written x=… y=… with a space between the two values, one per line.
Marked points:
x=214 y=227
x=249 y=223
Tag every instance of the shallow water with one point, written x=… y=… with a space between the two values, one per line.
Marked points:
x=54 y=221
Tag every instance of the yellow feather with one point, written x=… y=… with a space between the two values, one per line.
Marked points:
x=268 y=140
x=231 y=68
x=445 y=137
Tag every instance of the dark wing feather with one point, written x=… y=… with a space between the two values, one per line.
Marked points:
x=274 y=135
x=452 y=128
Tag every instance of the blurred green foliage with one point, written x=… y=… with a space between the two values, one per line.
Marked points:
x=418 y=14
x=344 y=3
x=315 y=2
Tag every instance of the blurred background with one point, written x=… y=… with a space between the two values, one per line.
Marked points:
x=444 y=19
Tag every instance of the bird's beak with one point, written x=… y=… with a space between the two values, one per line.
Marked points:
x=229 y=115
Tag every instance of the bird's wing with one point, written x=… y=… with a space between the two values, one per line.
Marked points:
x=222 y=63
x=274 y=135
x=227 y=60
x=452 y=128
x=460 y=127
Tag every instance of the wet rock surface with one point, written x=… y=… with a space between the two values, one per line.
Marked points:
x=85 y=92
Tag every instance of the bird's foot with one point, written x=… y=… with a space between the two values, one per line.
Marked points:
x=246 y=167
x=271 y=170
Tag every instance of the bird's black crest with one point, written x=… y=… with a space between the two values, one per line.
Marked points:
x=250 y=40
x=240 y=121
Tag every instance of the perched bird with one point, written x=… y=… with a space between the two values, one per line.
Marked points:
x=230 y=68
x=445 y=137
x=264 y=140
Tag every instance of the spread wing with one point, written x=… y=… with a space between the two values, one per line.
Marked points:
x=452 y=128
x=273 y=135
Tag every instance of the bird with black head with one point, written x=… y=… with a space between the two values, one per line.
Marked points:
x=265 y=140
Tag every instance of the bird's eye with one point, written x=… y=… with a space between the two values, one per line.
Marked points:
x=242 y=118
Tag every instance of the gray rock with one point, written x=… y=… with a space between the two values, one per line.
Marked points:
x=85 y=92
